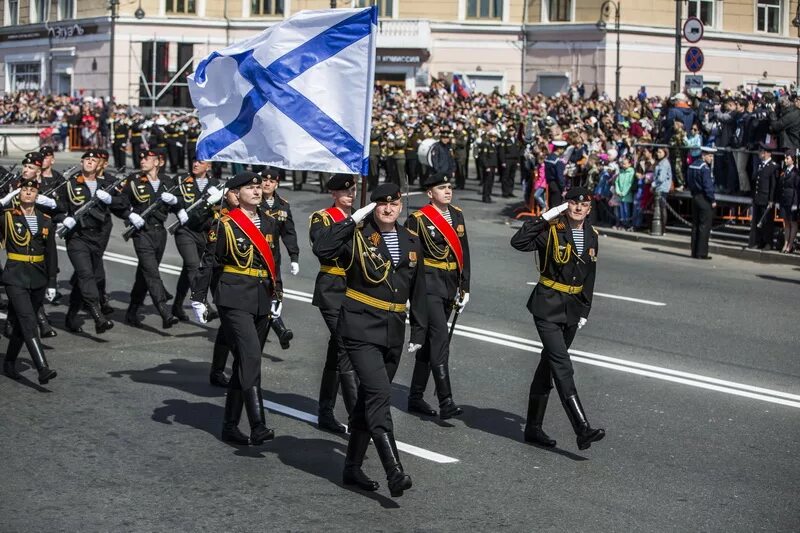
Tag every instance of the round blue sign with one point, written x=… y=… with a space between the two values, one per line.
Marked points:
x=694 y=59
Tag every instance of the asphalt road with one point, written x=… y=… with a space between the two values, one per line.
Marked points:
x=697 y=384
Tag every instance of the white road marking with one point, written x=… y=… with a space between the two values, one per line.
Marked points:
x=408 y=448
x=622 y=365
x=616 y=297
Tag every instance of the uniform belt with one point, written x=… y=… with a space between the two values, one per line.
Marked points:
x=254 y=272
x=560 y=287
x=334 y=270
x=25 y=258
x=441 y=265
x=119 y=136
x=192 y=139
x=374 y=302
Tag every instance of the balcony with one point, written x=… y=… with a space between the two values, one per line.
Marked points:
x=404 y=34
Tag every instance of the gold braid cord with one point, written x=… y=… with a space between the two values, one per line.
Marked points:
x=242 y=259
x=19 y=241
x=140 y=199
x=436 y=252
x=365 y=255
x=559 y=257
x=73 y=198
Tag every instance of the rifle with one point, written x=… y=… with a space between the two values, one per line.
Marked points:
x=68 y=174
x=175 y=225
x=144 y=214
x=8 y=176
x=88 y=205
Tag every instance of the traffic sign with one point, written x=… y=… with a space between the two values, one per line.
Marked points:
x=694 y=84
x=694 y=59
x=693 y=30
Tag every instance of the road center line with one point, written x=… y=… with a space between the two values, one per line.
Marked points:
x=617 y=297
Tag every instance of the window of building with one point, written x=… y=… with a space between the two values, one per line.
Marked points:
x=768 y=16
x=24 y=76
x=485 y=9
x=702 y=9
x=266 y=7
x=181 y=7
x=40 y=11
x=385 y=7
x=12 y=12
x=66 y=9
x=559 y=10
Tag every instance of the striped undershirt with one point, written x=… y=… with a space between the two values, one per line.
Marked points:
x=201 y=183
x=577 y=236
x=155 y=184
x=257 y=222
x=92 y=184
x=393 y=244
x=270 y=201
x=33 y=224
x=447 y=216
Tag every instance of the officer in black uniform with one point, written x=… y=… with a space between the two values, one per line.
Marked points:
x=30 y=272
x=246 y=287
x=172 y=136
x=119 y=146
x=328 y=296
x=489 y=155
x=278 y=208
x=383 y=261
x=461 y=146
x=560 y=304
x=87 y=238
x=447 y=273
x=375 y=138
x=554 y=167
x=701 y=184
x=510 y=150
x=150 y=237
x=765 y=183
x=137 y=138
x=51 y=178
x=192 y=233
x=192 y=136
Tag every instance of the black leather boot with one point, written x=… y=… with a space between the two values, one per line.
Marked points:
x=10 y=362
x=349 y=383
x=39 y=361
x=356 y=448
x=234 y=402
x=101 y=323
x=284 y=334
x=179 y=313
x=419 y=382
x=45 y=329
x=447 y=407
x=167 y=318
x=132 y=316
x=259 y=432
x=71 y=322
x=537 y=405
x=586 y=435
x=105 y=304
x=328 y=388
x=398 y=480
x=217 y=376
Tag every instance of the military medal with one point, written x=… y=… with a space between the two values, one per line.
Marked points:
x=375 y=239
x=592 y=254
x=460 y=230
x=412 y=258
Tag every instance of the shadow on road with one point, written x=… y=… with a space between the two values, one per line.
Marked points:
x=778 y=278
x=660 y=251
x=23 y=380
x=181 y=374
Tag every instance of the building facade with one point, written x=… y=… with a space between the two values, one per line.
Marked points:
x=64 y=46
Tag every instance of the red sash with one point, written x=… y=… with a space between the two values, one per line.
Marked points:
x=256 y=237
x=447 y=230
x=336 y=214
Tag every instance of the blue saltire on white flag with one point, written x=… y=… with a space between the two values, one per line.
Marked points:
x=296 y=96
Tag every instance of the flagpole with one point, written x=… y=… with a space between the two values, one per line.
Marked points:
x=368 y=111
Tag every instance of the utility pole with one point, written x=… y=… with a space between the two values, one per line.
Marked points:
x=113 y=4
x=676 y=79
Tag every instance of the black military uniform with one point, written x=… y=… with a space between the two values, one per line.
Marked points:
x=372 y=327
x=765 y=184
x=86 y=238
x=374 y=157
x=149 y=243
x=461 y=145
x=29 y=240
x=446 y=278
x=510 y=150
x=560 y=304
x=489 y=155
x=118 y=147
x=554 y=168
x=328 y=296
x=412 y=160
x=54 y=178
x=137 y=141
x=172 y=135
x=192 y=136
x=701 y=185
x=244 y=292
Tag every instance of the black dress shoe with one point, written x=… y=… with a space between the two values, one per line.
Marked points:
x=10 y=369
x=260 y=434
x=219 y=379
x=449 y=409
x=47 y=332
x=537 y=436
x=356 y=476
x=705 y=257
x=180 y=314
x=46 y=374
x=328 y=422
x=132 y=316
x=235 y=436
x=106 y=309
x=421 y=407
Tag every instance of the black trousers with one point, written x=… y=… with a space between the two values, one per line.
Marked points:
x=761 y=237
x=22 y=306
x=245 y=333
x=436 y=349
x=488 y=182
x=136 y=149
x=555 y=364
x=191 y=150
x=336 y=356
x=375 y=367
x=374 y=172
x=412 y=169
x=190 y=246
x=86 y=256
x=702 y=215
x=173 y=155
x=149 y=245
x=508 y=177
x=554 y=197
x=461 y=173
x=118 y=148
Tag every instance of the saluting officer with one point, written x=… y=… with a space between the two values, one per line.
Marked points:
x=142 y=190
x=248 y=283
x=701 y=185
x=328 y=296
x=442 y=230
x=30 y=273
x=278 y=208
x=560 y=304
x=554 y=167
x=383 y=261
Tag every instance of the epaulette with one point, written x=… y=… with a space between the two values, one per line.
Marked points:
x=455 y=207
x=224 y=218
x=412 y=232
x=596 y=231
x=45 y=215
x=416 y=214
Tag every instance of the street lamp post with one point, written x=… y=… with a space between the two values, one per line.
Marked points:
x=796 y=24
x=605 y=9
x=113 y=4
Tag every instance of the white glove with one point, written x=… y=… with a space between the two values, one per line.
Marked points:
x=183 y=217
x=50 y=295
x=103 y=196
x=179 y=145
x=136 y=220
x=169 y=198
x=550 y=214
x=214 y=195
x=413 y=347
x=200 y=311
x=461 y=303
x=295 y=270
x=5 y=200
x=360 y=214
x=45 y=201
x=582 y=322
x=69 y=222
x=277 y=307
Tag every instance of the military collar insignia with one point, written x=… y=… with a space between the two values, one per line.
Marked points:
x=560 y=226
x=375 y=239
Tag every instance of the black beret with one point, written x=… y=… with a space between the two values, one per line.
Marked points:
x=152 y=152
x=46 y=150
x=33 y=158
x=90 y=153
x=28 y=182
x=271 y=172
x=341 y=182
x=243 y=178
x=436 y=179
x=102 y=154
x=386 y=192
x=579 y=194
